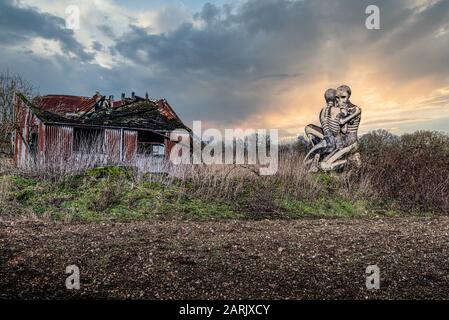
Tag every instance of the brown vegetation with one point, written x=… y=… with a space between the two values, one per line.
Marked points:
x=412 y=169
x=405 y=174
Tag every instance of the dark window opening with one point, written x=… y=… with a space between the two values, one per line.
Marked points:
x=150 y=144
x=32 y=141
x=88 y=140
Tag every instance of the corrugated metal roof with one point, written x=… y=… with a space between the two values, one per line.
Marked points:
x=86 y=105
x=139 y=113
x=166 y=110
x=63 y=104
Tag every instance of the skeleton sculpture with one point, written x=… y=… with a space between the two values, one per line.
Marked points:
x=335 y=142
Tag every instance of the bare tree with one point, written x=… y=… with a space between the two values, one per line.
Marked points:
x=9 y=85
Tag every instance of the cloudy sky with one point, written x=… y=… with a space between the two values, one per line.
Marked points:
x=243 y=63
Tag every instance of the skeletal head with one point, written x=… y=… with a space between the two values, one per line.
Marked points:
x=330 y=96
x=343 y=95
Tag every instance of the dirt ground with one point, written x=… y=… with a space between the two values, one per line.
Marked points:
x=267 y=259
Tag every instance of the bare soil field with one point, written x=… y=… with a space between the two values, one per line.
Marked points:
x=227 y=259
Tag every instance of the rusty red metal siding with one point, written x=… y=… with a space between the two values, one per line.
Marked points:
x=113 y=139
x=168 y=147
x=129 y=145
x=25 y=122
x=59 y=143
x=41 y=140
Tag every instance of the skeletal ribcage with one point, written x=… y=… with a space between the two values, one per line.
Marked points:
x=330 y=122
x=334 y=126
x=353 y=126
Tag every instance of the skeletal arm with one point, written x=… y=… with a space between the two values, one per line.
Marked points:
x=345 y=120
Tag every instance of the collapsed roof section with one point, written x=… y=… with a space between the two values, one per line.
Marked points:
x=139 y=114
x=64 y=104
x=135 y=112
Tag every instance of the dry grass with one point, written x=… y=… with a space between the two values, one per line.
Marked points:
x=5 y=186
x=231 y=182
x=408 y=173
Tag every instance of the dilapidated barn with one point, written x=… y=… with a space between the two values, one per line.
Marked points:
x=73 y=130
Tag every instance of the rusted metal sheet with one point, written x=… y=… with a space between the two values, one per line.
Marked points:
x=26 y=122
x=166 y=110
x=118 y=103
x=129 y=145
x=113 y=142
x=168 y=147
x=63 y=104
x=59 y=143
x=41 y=141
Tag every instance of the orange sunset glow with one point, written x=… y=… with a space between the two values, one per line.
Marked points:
x=249 y=64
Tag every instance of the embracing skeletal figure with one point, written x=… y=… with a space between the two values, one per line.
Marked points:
x=335 y=142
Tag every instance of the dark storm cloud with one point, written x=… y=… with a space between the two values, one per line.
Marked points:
x=96 y=45
x=253 y=41
x=106 y=30
x=214 y=65
x=20 y=24
x=414 y=45
x=186 y=50
x=279 y=40
x=416 y=25
x=266 y=37
x=241 y=57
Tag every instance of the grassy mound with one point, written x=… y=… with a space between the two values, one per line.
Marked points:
x=112 y=193
x=407 y=173
x=102 y=193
